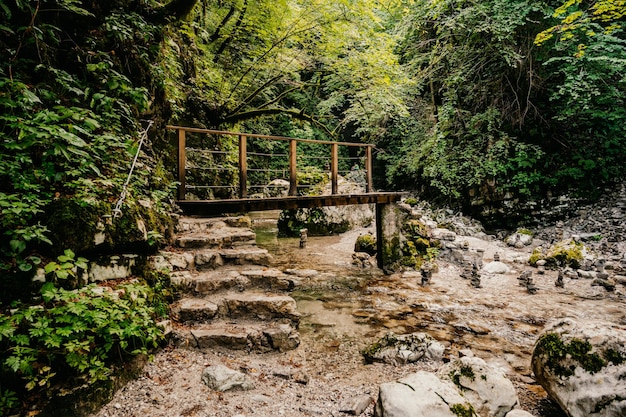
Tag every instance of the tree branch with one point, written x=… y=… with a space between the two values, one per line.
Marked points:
x=296 y=114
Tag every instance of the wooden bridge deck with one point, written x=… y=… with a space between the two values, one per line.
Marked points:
x=241 y=205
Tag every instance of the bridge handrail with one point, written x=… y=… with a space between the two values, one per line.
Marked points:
x=243 y=170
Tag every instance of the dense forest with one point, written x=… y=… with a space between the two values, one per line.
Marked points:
x=497 y=97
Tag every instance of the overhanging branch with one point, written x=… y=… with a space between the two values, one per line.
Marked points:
x=296 y=114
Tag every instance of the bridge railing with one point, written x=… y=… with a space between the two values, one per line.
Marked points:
x=234 y=163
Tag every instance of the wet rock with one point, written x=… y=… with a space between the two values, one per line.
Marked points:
x=221 y=378
x=485 y=387
x=419 y=394
x=402 y=349
x=582 y=366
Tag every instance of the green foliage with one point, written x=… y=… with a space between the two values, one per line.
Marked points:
x=79 y=334
x=67 y=269
x=68 y=117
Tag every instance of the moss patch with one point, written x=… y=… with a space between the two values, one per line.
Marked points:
x=419 y=247
x=463 y=371
x=563 y=358
x=463 y=410
x=365 y=243
x=560 y=255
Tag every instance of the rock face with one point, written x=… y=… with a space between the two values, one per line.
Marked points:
x=582 y=366
x=485 y=387
x=402 y=349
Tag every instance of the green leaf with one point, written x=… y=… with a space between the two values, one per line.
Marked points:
x=48 y=291
x=51 y=266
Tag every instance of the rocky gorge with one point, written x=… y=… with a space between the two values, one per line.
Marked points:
x=530 y=339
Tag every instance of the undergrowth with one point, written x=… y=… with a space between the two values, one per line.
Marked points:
x=78 y=336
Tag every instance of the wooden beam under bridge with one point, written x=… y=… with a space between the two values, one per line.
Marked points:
x=210 y=208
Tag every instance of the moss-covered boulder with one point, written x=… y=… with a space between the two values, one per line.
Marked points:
x=366 y=243
x=561 y=254
x=582 y=366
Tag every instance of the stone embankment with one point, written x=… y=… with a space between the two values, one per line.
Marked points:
x=230 y=297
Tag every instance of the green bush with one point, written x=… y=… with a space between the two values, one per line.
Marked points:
x=77 y=336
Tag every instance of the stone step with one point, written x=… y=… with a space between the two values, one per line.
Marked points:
x=225 y=279
x=244 y=335
x=247 y=305
x=226 y=237
x=246 y=256
x=209 y=282
x=249 y=255
x=202 y=224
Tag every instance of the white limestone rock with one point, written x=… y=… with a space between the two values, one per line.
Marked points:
x=518 y=413
x=419 y=394
x=221 y=378
x=484 y=386
x=582 y=366
x=496 y=267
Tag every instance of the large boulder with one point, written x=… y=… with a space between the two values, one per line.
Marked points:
x=485 y=387
x=582 y=366
x=420 y=394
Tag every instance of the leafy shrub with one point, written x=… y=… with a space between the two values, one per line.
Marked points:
x=74 y=335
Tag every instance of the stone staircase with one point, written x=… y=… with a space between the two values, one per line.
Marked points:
x=231 y=297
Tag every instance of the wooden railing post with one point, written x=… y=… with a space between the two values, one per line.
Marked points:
x=368 y=168
x=334 y=167
x=181 y=164
x=243 y=167
x=293 y=179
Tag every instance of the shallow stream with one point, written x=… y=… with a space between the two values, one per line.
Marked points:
x=499 y=322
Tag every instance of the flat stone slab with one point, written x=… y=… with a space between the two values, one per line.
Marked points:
x=217 y=238
x=216 y=281
x=245 y=335
x=246 y=256
x=195 y=310
x=258 y=306
x=202 y=224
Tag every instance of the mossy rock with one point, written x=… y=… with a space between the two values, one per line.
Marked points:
x=366 y=243
x=563 y=358
x=567 y=253
x=73 y=224
x=414 y=229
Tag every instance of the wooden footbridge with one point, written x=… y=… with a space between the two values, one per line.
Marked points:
x=209 y=162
